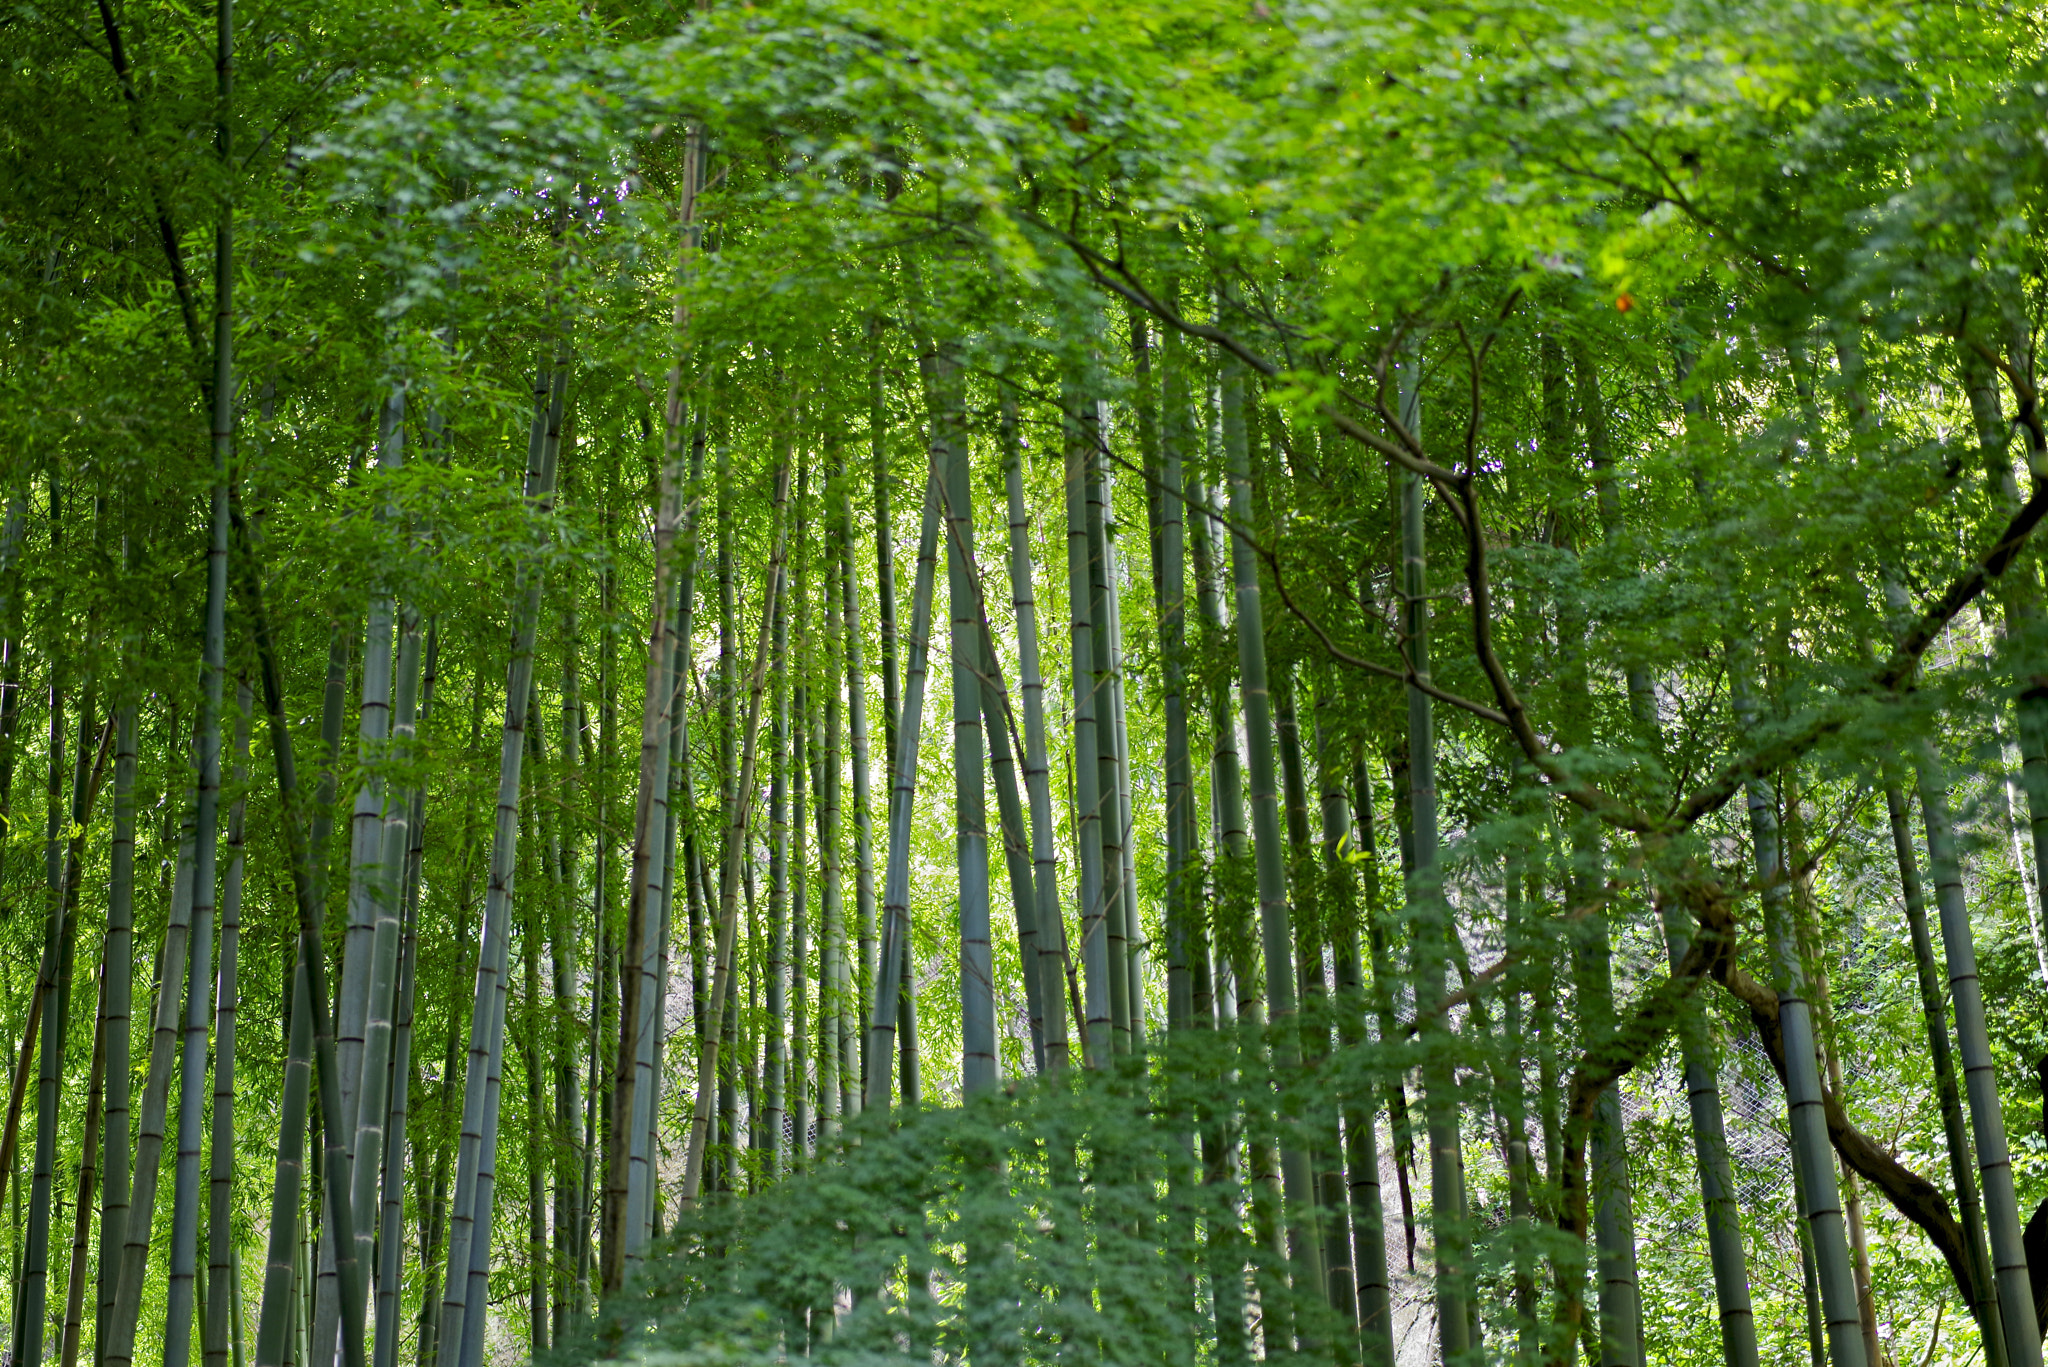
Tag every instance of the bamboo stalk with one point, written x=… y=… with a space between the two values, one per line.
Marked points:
x=118 y=955
x=728 y=901
x=1980 y=1082
x=459 y=1333
x=1051 y=966
x=219 y=1328
x=889 y=989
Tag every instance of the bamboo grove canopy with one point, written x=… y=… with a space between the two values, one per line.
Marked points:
x=1296 y=680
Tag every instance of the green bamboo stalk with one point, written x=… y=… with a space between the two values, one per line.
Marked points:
x=34 y=1277
x=1276 y=934
x=387 y=896
x=834 y=1086
x=460 y=1333
x=280 y=1268
x=118 y=955
x=1101 y=759
x=863 y=804
x=307 y=895
x=1812 y=1156
x=1051 y=963
x=134 y=1253
x=652 y=851
x=944 y=388
x=1947 y=1091
x=1366 y=1229
x=390 y=1237
x=890 y=986
x=1100 y=1027
x=774 y=1106
x=800 y=920
x=885 y=538
x=1237 y=990
x=572 y=1143
x=1120 y=768
x=1447 y=1168
x=1980 y=1080
x=736 y=833
x=88 y=1174
x=227 y=996
x=199 y=987
x=1163 y=499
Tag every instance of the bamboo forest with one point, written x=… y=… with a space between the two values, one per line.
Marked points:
x=761 y=681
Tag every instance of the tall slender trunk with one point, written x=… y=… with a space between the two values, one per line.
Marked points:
x=1163 y=499
x=1947 y=1090
x=1101 y=759
x=459 y=1333
x=1367 y=1230
x=199 y=985
x=774 y=1084
x=134 y=1254
x=1051 y=964
x=386 y=887
x=1275 y=931
x=119 y=973
x=88 y=1175
x=885 y=541
x=834 y=1084
x=1980 y=1079
x=1099 y=1028
x=1812 y=1155
x=1237 y=975
x=1433 y=926
x=893 y=979
x=227 y=994
x=799 y=1085
x=736 y=834
x=1119 y=771
x=307 y=895
x=947 y=401
x=863 y=809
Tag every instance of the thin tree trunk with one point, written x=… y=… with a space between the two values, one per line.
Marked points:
x=88 y=1174
x=1811 y=1153
x=459 y=1333
x=885 y=547
x=118 y=956
x=1163 y=499
x=1101 y=758
x=1367 y=1230
x=799 y=1087
x=1100 y=1026
x=728 y=900
x=775 y=1100
x=894 y=977
x=1947 y=1090
x=1980 y=1080
x=213 y=672
x=1447 y=1166
x=308 y=896
x=863 y=808
x=391 y=1224
x=944 y=387
x=150 y=1127
x=227 y=995
x=1275 y=930
x=1052 y=935
x=1120 y=770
